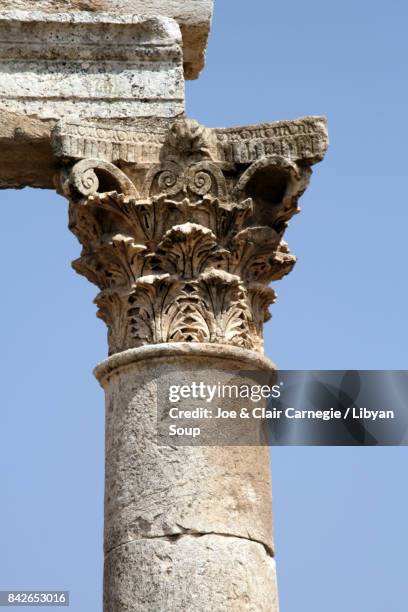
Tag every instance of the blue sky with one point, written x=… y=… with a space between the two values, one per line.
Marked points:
x=340 y=513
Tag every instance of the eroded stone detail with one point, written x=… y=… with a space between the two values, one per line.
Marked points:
x=302 y=139
x=90 y=64
x=183 y=248
x=193 y=16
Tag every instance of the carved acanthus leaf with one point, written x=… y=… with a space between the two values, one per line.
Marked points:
x=115 y=261
x=151 y=308
x=212 y=308
x=113 y=310
x=225 y=298
x=187 y=250
x=183 y=247
x=259 y=255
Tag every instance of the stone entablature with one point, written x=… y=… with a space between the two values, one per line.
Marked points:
x=184 y=233
x=193 y=17
x=90 y=65
x=100 y=60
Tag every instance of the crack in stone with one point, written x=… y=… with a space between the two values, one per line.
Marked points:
x=175 y=537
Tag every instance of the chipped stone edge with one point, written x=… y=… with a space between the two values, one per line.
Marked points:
x=181 y=349
x=193 y=37
x=169 y=26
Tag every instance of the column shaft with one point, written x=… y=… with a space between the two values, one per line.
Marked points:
x=185 y=528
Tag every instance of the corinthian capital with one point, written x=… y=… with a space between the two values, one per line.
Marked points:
x=182 y=226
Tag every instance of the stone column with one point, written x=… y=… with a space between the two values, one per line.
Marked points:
x=183 y=244
x=181 y=228
x=185 y=528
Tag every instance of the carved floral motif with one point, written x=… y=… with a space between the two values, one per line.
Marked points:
x=184 y=250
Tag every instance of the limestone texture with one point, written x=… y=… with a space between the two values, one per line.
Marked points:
x=182 y=230
x=22 y=140
x=84 y=66
x=90 y=65
x=190 y=490
x=191 y=573
x=193 y=16
x=184 y=239
x=185 y=528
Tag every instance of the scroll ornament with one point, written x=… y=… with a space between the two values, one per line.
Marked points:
x=184 y=250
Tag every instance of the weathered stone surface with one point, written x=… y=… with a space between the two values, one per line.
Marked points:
x=145 y=141
x=153 y=491
x=27 y=158
x=182 y=230
x=82 y=65
x=185 y=238
x=190 y=574
x=90 y=65
x=186 y=529
x=193 y=16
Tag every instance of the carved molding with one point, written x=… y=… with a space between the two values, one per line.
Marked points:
x=183 y=248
